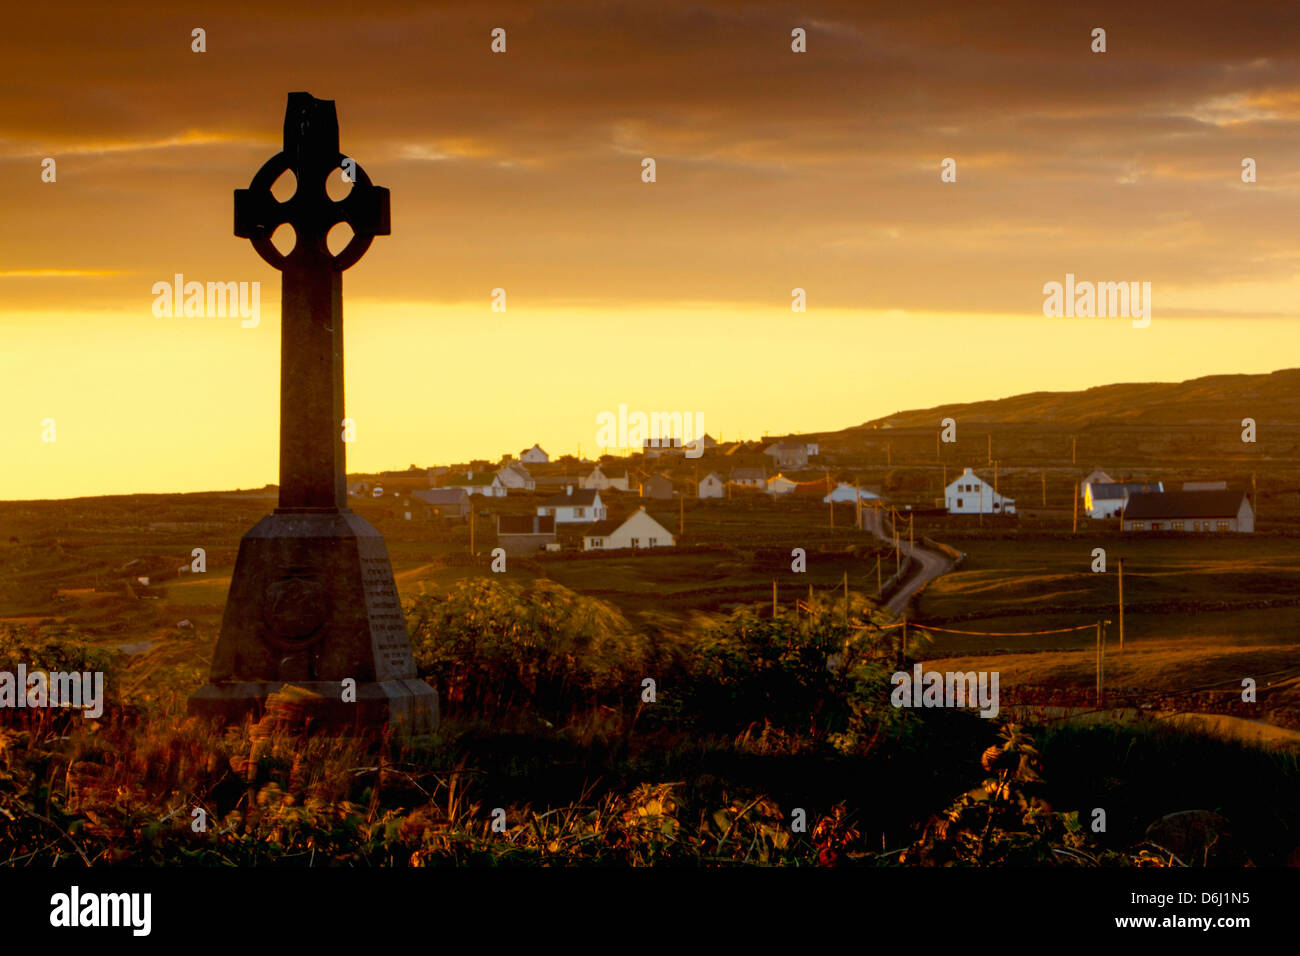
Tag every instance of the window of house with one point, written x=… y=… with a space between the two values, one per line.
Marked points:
x=579 y=512
x=958 y=502
x=1225 y=525
x=1176 y=525
x=636 y=542
x=1139 y=525
x=1156 y=526
x=653 y=542
x=597 y=542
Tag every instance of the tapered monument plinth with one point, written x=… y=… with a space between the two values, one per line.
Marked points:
x=313 y=629
x=313 y=604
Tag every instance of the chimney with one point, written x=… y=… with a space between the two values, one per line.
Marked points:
x=568 y=489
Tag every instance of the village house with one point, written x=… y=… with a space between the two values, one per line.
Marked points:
x=534 y=456
x=779 y=484
x=851 y=493
x=524 y=534
x=1190 y=511
x=655 y=447
x=711 y=486
x=1105 y=500
x=788 y=454
x=573 y=506
x=515 y=477
x=657 y=486
x=479 y=483
x=1095 y=477
x=638 y=530
x=600 y=481
x=443 y=502
x=748 y=477
x=971 y=495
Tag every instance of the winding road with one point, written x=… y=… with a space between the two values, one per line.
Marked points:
x=931 y=563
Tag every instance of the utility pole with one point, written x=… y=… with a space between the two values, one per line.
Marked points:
x=1074 y=447
x=471 y=525
x=911 y=520
x=1076 y=509
x=995 y=478
x=681 y=515
x=989 y=436
x=1121 y=605
x=1099 y=663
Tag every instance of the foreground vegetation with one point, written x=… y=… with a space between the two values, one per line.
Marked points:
x=759 y=741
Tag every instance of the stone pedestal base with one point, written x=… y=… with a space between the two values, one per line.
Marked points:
x=313 y=605
x=408 y=707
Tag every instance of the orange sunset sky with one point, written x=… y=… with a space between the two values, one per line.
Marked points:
x=522 y=170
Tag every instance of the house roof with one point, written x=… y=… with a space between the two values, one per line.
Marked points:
x=581 y=498
x=748 y=474
x=713 y=474
x=475 y=482
x=1118 y=489
x=786 y=445
x=1185 y=504
x=442 y=496
x=534 y=448
x=602 y=529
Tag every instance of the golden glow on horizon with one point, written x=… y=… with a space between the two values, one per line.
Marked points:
x=165 y=405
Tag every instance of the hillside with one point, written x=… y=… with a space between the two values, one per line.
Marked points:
x=1271 y=398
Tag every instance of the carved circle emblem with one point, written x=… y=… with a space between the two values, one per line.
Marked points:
x=296 y=610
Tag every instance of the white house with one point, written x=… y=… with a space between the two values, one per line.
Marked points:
x=712 y=486
x=972 y=495
x=534 y=456
x=748 y=477
x=1107 y=499
x=515 y=477
x=788 y=454
x=1097 y=477
x=779 y=484
x=600 y=481
x=638 y=530
x=572 y=507
x=489 y=486
x=850 y=493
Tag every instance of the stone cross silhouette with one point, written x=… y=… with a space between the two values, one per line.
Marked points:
x=313 y=625
x=312 y=450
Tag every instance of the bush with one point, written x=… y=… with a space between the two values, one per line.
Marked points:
x=489 y=646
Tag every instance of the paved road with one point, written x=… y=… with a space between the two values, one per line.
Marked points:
x=932 y=563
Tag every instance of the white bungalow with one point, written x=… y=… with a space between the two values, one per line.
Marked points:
x=972 y=495
x=1107 y=499
x=573 y=507
x=779 y=484
x=638 y=530
x=851 y=493
x=712 y=486
x=599 y=481
x=489 y=486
